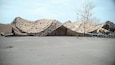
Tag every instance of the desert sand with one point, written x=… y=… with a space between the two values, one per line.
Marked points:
x=55 y=50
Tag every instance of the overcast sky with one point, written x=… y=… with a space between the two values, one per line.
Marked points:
x=62 y=10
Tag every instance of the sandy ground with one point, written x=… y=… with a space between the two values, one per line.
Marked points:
x=56 y=51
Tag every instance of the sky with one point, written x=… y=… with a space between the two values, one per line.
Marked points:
x=61 y=10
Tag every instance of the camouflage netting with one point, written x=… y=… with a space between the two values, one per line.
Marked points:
x=109 y=26
x=87 y=27
x=40 y=27
x=47 y=27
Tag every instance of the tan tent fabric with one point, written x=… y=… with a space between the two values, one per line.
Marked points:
x=40 y=27
x=44 y=27
x=87 y=27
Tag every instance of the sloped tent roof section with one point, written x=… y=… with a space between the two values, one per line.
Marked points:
x=81 y=27
x=88 y=27
x=67 y=29
x=71 y=29
x=63 y=31
x=40 y=27
x=106 y=27
x=109 y=26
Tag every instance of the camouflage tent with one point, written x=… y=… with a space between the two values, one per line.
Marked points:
x=39 y=28
x=47 y=27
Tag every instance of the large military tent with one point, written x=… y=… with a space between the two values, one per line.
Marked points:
x=47 y=27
